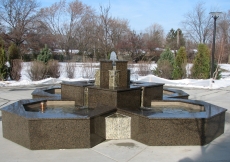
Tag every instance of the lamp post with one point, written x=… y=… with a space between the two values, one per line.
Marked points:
x=214 y=15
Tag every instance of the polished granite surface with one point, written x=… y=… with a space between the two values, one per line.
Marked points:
x=19 y=109
x=133 y=85
x=210 y=111
x=173 y=96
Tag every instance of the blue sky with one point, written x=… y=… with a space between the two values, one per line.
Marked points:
x=144 y=13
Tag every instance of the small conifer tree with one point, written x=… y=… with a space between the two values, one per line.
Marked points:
x=165 y=65
x=201 y=63
x=167 y=55
x=3 y=67
x=44 y=55
x=179 y=66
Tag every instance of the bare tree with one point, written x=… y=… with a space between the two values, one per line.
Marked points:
x=18 y=18
x=197 y=24
x=135 y=45
x=223 y=36
x=85 y=34
x=103 y=30
x=118 y=29
x=153 y=39
x=110 y=32
x=63 y=19
x=155 y=33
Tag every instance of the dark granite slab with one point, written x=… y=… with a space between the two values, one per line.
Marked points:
x=210 y=111
x=46 y=92
x=174 y=93
x=79 y=83
x=19 y=109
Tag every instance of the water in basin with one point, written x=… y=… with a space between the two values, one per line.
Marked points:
x=67 y=109
x=171 y=110
x=62 y=109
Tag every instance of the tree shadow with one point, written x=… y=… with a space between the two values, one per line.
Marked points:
x=218 y=149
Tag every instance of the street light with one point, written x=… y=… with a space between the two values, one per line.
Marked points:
x=215 y=15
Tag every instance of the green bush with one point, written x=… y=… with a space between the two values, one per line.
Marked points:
x=165 y=65
x=167 y=55
x=3 y=67
x=44 y=55
x=179 y=66
x=201 y=63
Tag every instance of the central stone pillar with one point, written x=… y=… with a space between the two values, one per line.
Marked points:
x=114 y=78
x=118 y=126
x=105 y=66
x=123 y=76
x=97 y=78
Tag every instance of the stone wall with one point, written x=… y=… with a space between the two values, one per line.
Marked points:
x=174 y=132
x=74 y=93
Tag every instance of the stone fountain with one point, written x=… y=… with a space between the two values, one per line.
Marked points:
x=112 y=107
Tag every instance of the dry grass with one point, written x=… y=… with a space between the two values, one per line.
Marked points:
x=143 y=68
x=37 y=70
x=164 y=69
x=70 y=69
x=88 y=70
x=16 y=69
x=53 y=68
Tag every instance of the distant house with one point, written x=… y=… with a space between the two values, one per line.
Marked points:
x=194 y=51
x=63 y=52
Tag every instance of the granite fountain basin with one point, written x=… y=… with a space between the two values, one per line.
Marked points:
x=111 y=107
x=26 y=124
x=199 y=124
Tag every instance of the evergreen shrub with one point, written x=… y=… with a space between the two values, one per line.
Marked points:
x=44 y=55
x=165 y=65
x=3 y=67
x=179 y=66
x=201 y=63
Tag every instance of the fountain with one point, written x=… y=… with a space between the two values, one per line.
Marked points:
x=113 y=57
x=82 y=115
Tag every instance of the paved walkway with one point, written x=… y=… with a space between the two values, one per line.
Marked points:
x=123 y=150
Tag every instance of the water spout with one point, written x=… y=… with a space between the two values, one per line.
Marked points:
x=113 y=57
x=43 y=107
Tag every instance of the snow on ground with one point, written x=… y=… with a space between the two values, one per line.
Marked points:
x=191 y=83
